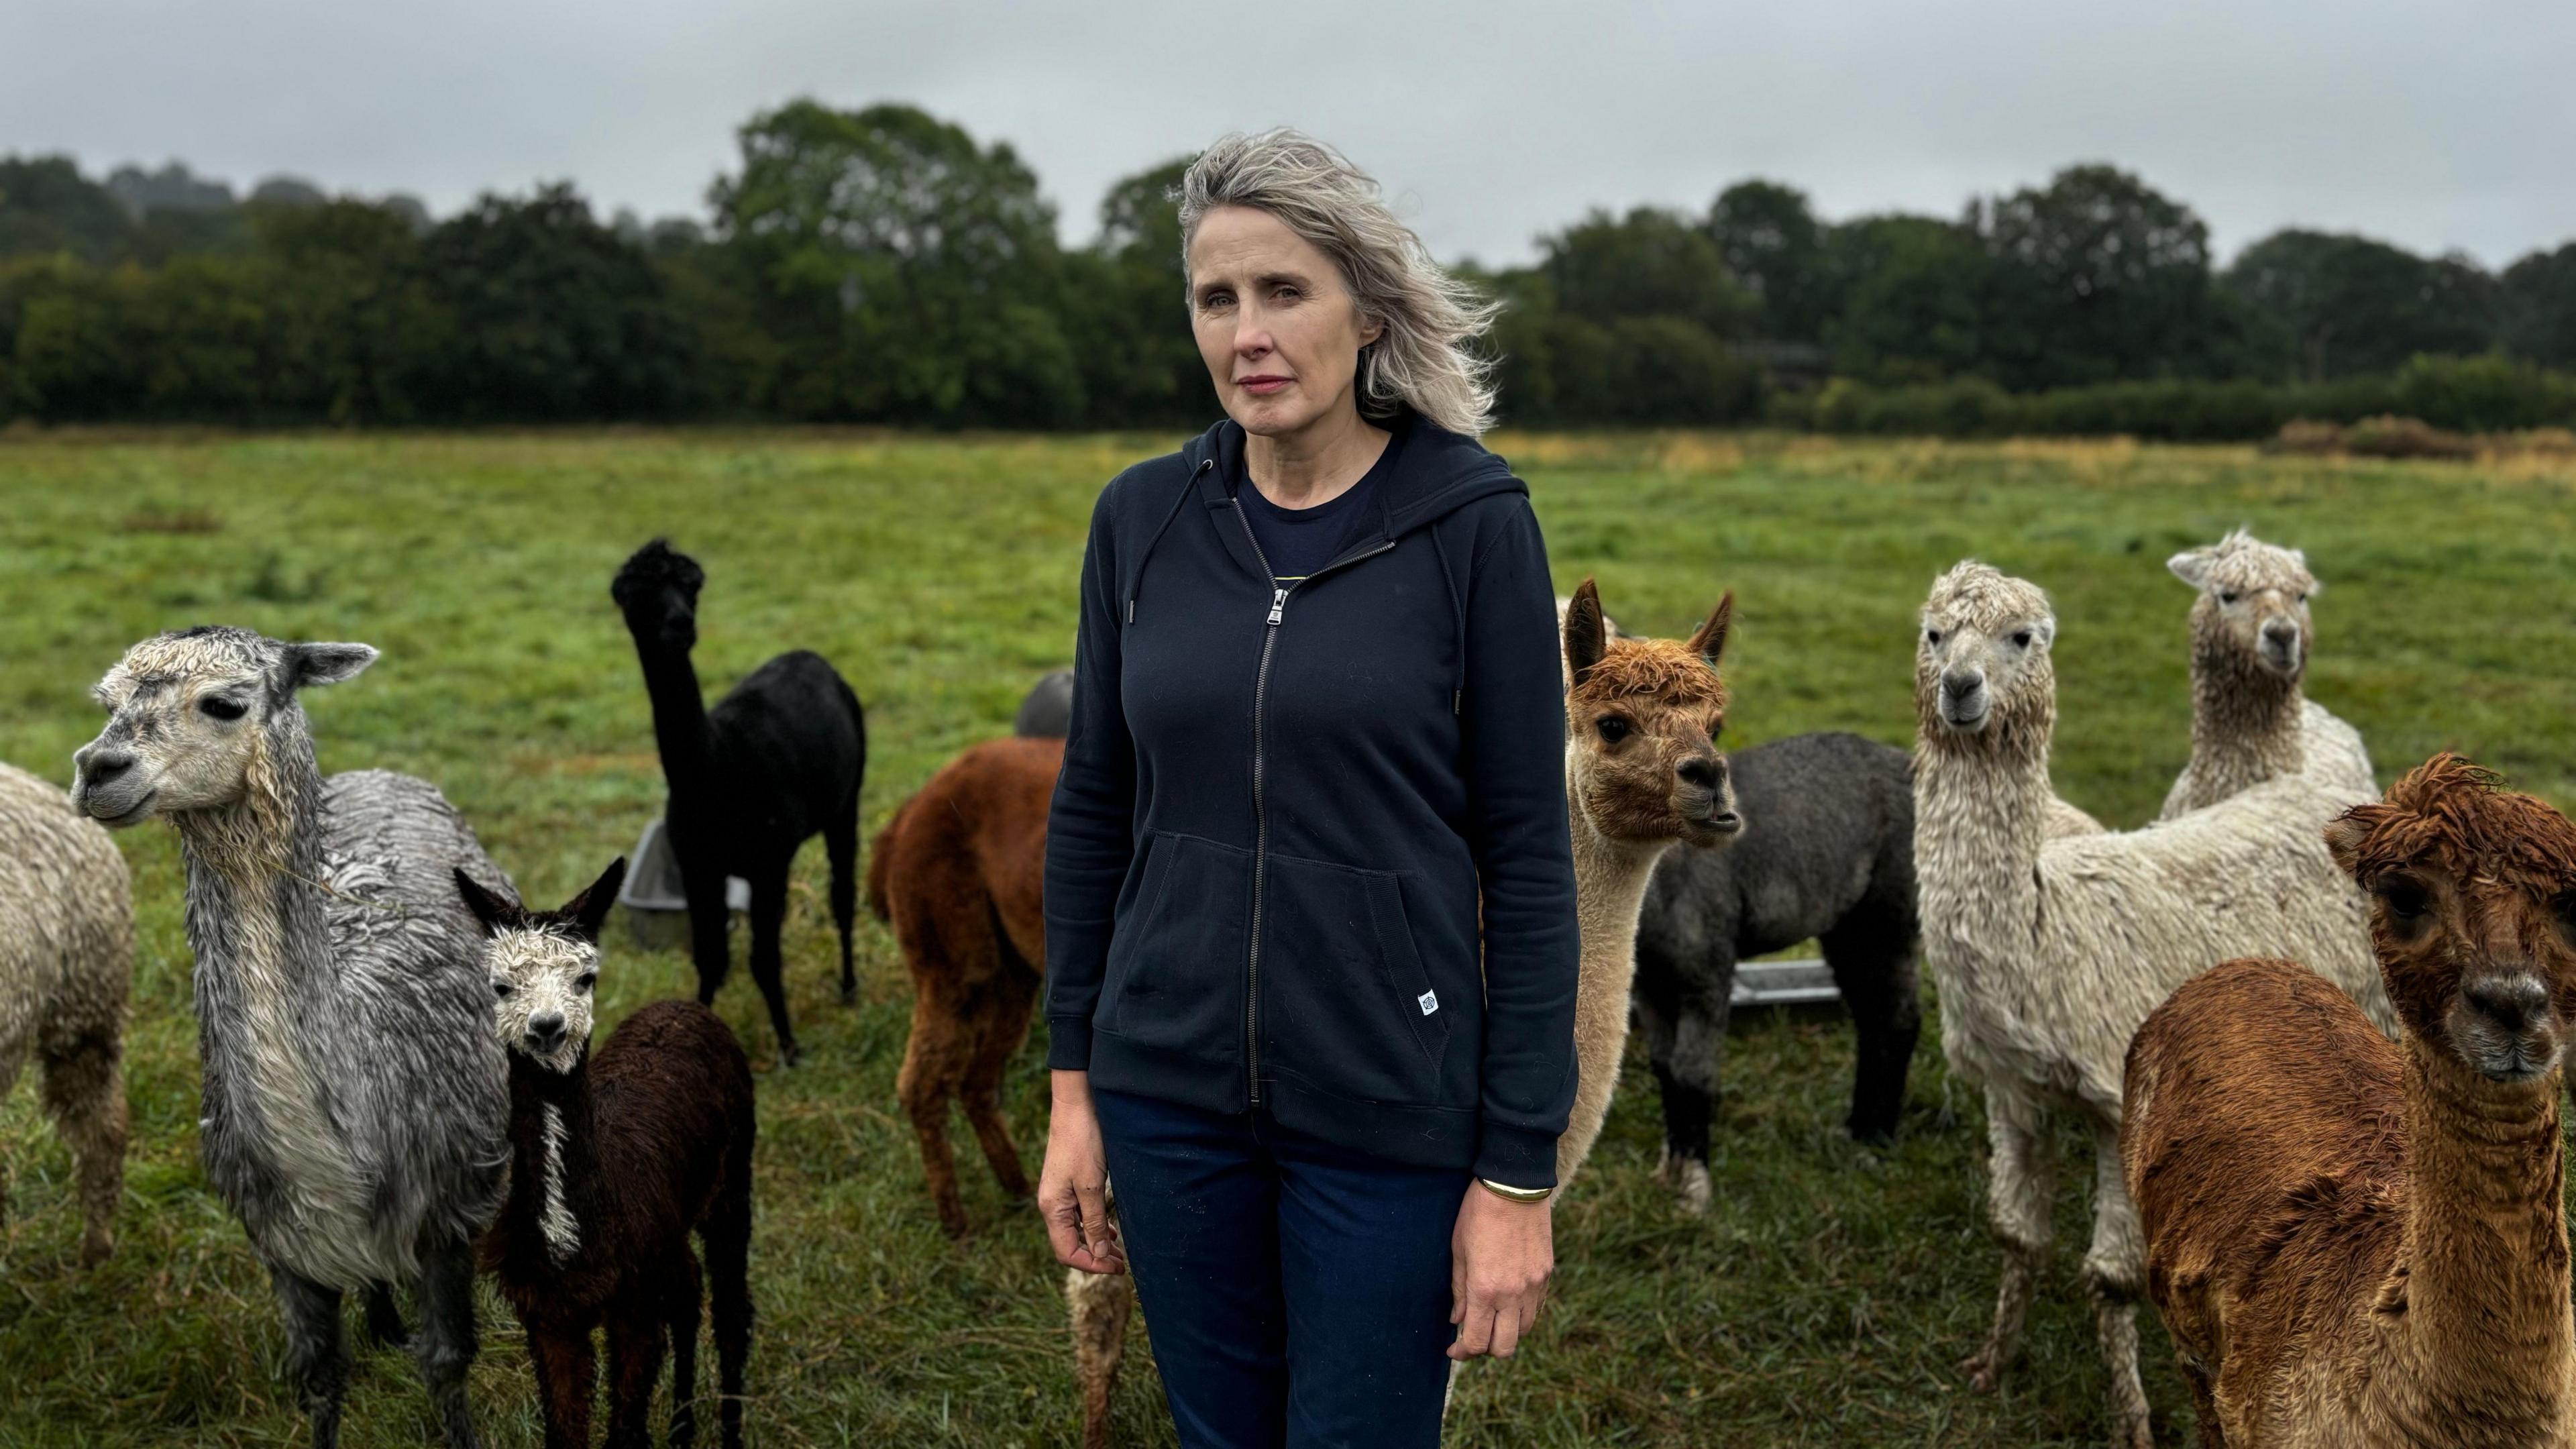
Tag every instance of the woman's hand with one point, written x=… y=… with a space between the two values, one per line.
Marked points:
x=1500 y=1257
x=1073 y=1187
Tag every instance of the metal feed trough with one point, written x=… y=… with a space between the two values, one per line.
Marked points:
x=657 y=909
x=1783 y=983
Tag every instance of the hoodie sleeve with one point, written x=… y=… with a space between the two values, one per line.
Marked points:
x=1090 y=826
x=1513 y=717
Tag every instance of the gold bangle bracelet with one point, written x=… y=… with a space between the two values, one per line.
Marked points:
x=1515 y=1194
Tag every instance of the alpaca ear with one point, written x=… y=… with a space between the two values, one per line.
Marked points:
x=1585 y=639
x=589 y=910
x=1710 y=641
x=311 y=664
x=488 y=908
x=2348 y=832
x=2191 y=566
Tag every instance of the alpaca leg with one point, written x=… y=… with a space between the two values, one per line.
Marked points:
x=728 y=1244
x=1876 y=979
x=709 y=950
x=1101 y=1304
x=768 y=915
x=634 y=1364
x=2114 y=1274
x=2023 y=1174
x=566 y=1379
x=14 y=1048
x=445 y=1345
x=1014 y=998
x=317 y=1359
x=841 y=844
x=384 y=1321
x=1690 y=1099
x=683 y=1288
x=934 y=1062
x=85 y=1092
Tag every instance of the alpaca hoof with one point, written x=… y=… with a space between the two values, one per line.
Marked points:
x=1690 y=1184
x=2136 y=1434
x=96 y=1248
x=849 y=993
x=1982 y=1371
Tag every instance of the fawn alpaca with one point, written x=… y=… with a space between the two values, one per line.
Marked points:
x=615 y=1158
x=2359 y=1243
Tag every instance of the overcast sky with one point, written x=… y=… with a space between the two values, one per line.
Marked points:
x=2436 y=126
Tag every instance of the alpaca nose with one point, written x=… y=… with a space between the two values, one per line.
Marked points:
x=1962 y=683
x=546 y=1031
x=1705 y=772
x=2281 y=634
x=99 y=763
x=2513 y=1001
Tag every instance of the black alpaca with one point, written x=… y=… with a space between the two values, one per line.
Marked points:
x=777 y=760
x=1828 y=852
x=616 y=1157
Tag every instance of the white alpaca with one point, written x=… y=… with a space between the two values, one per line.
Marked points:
x=66 y=957
x=2250 y=642
x=2048 y=953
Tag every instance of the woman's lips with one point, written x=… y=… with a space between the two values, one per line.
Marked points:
x=1262 y=385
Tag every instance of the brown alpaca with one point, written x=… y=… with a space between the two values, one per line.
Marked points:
x=616 y=1157
x=2359 y=1243
x=958 y=873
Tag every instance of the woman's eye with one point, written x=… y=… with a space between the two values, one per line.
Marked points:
x=1613 y=729
x=218 y=707
x=586 y=980
x=500 y=988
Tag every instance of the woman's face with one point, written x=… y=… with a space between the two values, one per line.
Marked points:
x=1280 y=334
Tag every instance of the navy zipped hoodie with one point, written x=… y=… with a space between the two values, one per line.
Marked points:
x=1281 y=810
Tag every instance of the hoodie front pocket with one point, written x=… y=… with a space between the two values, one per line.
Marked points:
x=1175 y=970
x=1346 y=1003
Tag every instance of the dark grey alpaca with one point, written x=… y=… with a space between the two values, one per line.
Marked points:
x=1828 y=852
x=1047 y=713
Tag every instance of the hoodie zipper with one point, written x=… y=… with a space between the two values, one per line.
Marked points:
x=1260 y=811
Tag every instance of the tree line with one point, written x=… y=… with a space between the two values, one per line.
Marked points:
x=879 y=265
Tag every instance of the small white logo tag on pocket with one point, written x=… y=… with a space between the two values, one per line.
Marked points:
x=1429 y=1003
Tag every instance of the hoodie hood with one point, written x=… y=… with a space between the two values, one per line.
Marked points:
x=1442 y=472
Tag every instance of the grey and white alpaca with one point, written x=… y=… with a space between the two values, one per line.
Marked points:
x=66 y=960
x=2251 y=637
x=2049 y=952
x=1827 y=852
x=356 y=1103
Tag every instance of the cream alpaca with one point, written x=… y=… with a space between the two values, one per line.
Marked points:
x=66 y=957
x=2251 y=638
x=2049 y=952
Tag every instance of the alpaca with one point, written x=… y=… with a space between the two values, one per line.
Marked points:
x=356 y=1107
x=2360 y=1244
x=1827 y=852
x=957 y=873
x=616 y=1157
x=778 y=759
x=2049 y=952
x=1047 y=712
x=2250 y=641
x=66 y=959
x=1642 y=772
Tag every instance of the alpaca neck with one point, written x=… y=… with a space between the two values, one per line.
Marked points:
x=1980 y=815
x=680 y=727
x=2246 y=722
x=550 y=1156
x=2487 y=1328
x=1610 y=880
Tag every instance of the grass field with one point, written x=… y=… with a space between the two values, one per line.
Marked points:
x=1823 y=1301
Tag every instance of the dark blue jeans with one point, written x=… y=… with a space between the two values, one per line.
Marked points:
x=1297 y=1294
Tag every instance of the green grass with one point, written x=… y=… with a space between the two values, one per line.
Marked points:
x=1823 y=1301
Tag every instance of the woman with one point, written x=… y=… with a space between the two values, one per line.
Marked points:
x=1311 y=939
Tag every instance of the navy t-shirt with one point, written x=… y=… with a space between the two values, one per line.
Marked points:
x=1298 y=541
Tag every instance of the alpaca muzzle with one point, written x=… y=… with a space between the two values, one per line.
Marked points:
x=2283 y=650
x=2504 y=1027
x=107 y=786
x=1964 y=701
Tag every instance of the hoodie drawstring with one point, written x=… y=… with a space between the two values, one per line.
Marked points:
x=1457 y=613
x=1136 y=581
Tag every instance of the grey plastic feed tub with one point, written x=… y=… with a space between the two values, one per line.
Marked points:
x=1783 y=983
x=657 y=909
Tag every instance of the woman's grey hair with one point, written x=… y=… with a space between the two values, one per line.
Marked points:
x=1422 y=358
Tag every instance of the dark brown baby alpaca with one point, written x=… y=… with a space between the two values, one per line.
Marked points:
x=2360 y=1243
x=617 y=1156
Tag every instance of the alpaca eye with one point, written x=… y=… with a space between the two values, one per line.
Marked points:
x=2406 y=900
x=2303 y=599
x=500 y=988
x=585 y=980
x=1932 y=637
x=1613 y=729
x=217 y=707
x=2021 y=640
x=2229 y=596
